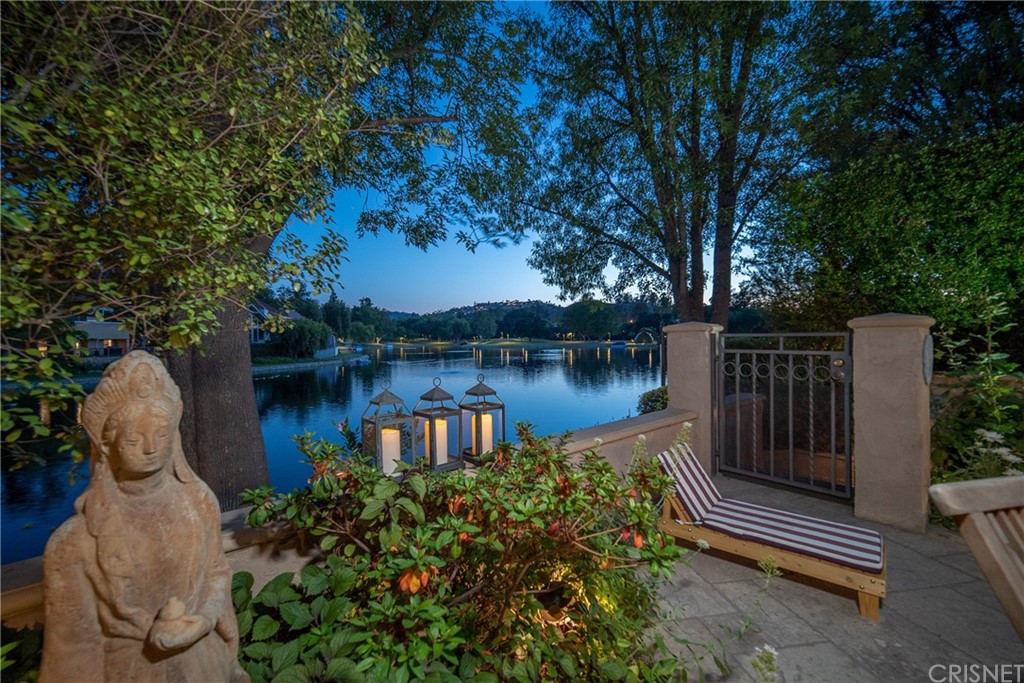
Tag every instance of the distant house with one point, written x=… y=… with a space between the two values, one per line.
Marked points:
x=259 y=312
x=102 y=339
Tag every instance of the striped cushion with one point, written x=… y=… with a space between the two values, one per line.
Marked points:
x=843 y=544
x=694 y=489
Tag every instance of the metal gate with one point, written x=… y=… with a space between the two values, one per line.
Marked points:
x=783 y=409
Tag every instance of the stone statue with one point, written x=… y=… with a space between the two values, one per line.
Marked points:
x=136 y=586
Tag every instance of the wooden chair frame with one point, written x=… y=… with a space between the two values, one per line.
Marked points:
x=870 y=588
x=990 y=514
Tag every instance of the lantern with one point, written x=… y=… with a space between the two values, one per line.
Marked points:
x=486 y=418
x=389 y=431
x=442 y=425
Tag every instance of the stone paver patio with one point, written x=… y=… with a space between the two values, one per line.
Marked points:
x=939 y=611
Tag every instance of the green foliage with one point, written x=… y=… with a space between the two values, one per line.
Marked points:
x=142 y=160
x=532 y=567
x=591 y=319
x=933 y=232
x=337 y=316
x=661 y=128
x=153 y=152
x=978 y=430
x=303 y=338
x=21 y=652
x=650 y=401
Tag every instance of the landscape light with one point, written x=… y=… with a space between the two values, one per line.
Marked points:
x=389 y=431
x=442 y=424
x=486 y=418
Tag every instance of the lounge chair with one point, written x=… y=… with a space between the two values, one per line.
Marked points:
x=990 y=513
x=838 y=554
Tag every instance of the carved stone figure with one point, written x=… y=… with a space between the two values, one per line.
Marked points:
x=136 y=586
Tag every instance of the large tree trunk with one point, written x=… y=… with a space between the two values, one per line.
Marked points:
x=220 y=426
x=721 y=289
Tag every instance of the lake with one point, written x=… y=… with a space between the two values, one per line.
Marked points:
x=555 y=389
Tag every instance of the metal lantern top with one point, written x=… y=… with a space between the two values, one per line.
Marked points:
x=481 y=396
x=436 y=402
x=385 y=403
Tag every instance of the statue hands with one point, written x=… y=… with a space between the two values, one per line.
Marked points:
x=173 y=629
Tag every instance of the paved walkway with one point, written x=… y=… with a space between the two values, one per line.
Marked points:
x=939 y=611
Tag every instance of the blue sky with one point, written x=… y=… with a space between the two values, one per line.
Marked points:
x=401 y=278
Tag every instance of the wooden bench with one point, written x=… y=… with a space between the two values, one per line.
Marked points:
x=838 y=554
x=990 y=514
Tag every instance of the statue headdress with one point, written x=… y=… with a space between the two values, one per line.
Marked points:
x=138 y=377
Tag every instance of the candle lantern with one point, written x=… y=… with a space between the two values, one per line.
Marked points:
x=486 y=418
x=389 y=431
x=442 y=425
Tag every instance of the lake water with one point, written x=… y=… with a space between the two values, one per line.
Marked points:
x=554 y=389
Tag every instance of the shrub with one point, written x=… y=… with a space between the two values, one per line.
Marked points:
x=650 y=401
x=303 y=338
x=979 y=432
x=532 y=567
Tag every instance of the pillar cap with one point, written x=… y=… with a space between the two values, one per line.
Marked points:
x=891 y=320
x=693 y=326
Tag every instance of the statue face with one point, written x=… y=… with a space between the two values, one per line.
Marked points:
x=142 y=445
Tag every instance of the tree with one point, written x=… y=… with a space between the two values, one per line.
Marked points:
x=154 y=151
x=362 y=333
x=373 y=318
x=669 y=126
x=910 y=195
x=303 y=337
x=912 y=74
x=147 y=147
x=299 y=299
x=483 y=324
x=933 y=231
x=337 y=316
x=525 y=322
x=591 y=319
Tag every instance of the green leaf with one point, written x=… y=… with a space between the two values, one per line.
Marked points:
x=285 y=656
x=257 y=651
x=343 y=670
x=244 y=623
x=297 y=615
x=385 y=488
x=412 y=508
x=390 y=535
x=314 y=580
x=613 y=669
x=296 y=673
x=334 y=610
x=265 y=627
x=374 y=508
x=418 y=484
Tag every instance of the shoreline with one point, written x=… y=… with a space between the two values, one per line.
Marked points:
x=350 y=357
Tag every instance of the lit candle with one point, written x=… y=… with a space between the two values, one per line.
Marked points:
x=391 y=449
x=442 y=442
x=486 y=433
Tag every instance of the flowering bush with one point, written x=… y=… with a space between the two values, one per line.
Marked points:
x=979 y=432
x=535 y=566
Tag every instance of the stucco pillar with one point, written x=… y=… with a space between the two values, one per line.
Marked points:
x=689 y=358
x=891 y=419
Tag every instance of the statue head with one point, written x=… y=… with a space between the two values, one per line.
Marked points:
x=132 y=420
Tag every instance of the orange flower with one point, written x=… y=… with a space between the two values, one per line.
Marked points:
x=410 y=581
x=638 y=540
